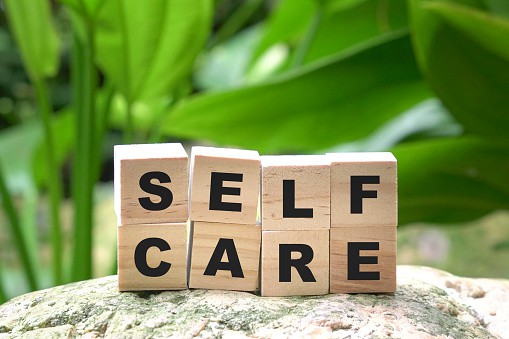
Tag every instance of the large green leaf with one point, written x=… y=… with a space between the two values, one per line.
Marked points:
x=463 y=52
x=359 y=22
x=32 y=26
x=146 y=47
x=319 y=106
x=451 y=180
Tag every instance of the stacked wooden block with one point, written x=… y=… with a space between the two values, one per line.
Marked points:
x=225 y=246
x=151 y=203
x=328 y=222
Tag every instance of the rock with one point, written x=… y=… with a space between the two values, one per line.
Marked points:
x=428 y=304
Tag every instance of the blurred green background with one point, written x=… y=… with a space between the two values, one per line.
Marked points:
x=425 y=79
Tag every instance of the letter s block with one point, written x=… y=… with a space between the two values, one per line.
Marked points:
x=152 y=257
x=225 y=185
x=151 y=184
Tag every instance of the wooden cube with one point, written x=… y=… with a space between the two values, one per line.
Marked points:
x=363 y=259
x=151 y=184
x=363 y=189
x=225 y=185
x=295 y=263
x=152 y=257
x=295 y=192
x=225 y=256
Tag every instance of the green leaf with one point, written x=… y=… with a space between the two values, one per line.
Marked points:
x=63 y=140
x=146 y=47
x=316 y=107
x=463 y=53
x=287 y=22
x=87 y=8
x=489 y=31
x=342 y=29
x=428 y=119
x=451 y=180
x=32 y=26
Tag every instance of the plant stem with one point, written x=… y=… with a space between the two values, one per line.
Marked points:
x=129 y=129
x=17 y=233
x=54 y=178
x=235 y=21
x=303 y=48
x=84 y=80
x=102 y=123
x=3 y=295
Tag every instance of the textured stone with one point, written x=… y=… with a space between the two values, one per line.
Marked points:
x=428 y=304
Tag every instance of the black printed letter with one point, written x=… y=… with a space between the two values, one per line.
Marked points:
x=140 y=257
x=217 y=190
x=286 y=262
x=357 y=193
x=164 y=193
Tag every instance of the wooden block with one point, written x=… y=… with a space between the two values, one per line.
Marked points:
x=364 y=189
x=225 y=185
x=151 y=184
x=152 y=257
x=295 y=192
x=225 y=256
x=363 y=259
x=295 y=263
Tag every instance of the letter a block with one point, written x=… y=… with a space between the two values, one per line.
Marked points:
x=363 y=259
x=295 y=263
x=295 y=192
x=225 y=185
x=363 y=189
x=152 y=257
x=225 y=256
x=151 y=184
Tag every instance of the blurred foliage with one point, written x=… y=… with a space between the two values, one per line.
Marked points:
x=425 y=79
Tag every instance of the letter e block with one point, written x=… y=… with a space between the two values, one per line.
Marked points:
x=225 y=185
x=152 y=257
x=295 y=263
x=363 y=189
x=363 y=259
x=151 y=184
x=225 y=256
x=295 y=192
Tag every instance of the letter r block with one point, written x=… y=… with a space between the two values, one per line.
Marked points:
x=224 y=185
x=363 y=189
x=295 y=263
x=151 y=184
x=152 y=257
x=225 y=256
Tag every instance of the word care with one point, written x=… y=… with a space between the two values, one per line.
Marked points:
x=234 y=220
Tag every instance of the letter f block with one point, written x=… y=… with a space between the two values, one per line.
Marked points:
x=364 y=217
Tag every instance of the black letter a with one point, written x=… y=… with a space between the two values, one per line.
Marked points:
x=233 y=263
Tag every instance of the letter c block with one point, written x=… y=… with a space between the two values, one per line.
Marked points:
x=152 y=257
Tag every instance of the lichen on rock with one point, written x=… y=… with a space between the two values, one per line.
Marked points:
x=427 y=304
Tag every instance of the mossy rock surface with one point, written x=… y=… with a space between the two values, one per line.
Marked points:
x=428 y=304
